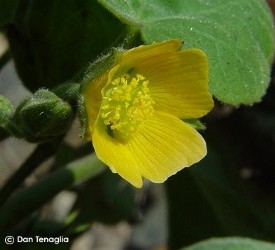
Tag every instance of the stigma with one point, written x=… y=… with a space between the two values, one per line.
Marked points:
x=126 y=105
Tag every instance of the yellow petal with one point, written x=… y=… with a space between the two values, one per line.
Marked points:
x=130 y=58
x=116 y=155
x=165 y=145
x=179 y=83
x=92 y=101
x=160 y=148
x=93 y=97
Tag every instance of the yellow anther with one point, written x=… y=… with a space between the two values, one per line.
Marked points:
x=144 y=86
x=134 y=82
x=104 y=115
x=105 y=106
x=116 y=81
x=123 y=80
x=127 y=104
x=117 y=115
x=140 y=77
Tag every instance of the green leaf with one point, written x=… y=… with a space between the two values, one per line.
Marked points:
x=53 y=41
x=236 y=35
x=232 y=243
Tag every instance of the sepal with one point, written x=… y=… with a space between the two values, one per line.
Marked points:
x=43 y=116
x=95 y=71
x=196 y=123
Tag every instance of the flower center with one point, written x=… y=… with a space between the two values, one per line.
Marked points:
x=126 y=105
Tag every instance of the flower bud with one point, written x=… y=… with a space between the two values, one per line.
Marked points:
x=6 y=111
x=67 y=91
x=43 y=116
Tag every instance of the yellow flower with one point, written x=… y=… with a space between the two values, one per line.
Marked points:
x=136 y=107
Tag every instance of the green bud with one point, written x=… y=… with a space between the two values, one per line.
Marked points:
x=43 y=116
x=67 y=91
x=6 y=110
x=7 y=126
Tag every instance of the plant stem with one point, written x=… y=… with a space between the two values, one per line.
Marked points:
x=23 y=203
